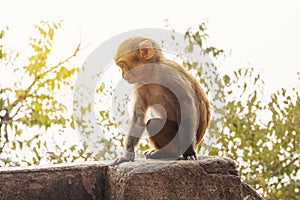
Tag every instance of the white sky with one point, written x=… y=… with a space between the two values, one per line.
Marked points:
x=261 y=34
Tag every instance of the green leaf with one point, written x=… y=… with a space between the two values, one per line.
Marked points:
x=226 y=79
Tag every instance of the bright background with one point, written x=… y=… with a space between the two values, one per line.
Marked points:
x=260 y=34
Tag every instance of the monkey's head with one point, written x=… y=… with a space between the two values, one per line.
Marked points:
x=134 y=52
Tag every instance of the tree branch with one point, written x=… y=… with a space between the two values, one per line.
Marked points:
x=280 y=171
x=27 y=91
x=64 y=61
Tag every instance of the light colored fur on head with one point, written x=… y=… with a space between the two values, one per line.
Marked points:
x=132 y=44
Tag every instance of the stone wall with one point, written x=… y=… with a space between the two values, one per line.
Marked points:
x=207 y=178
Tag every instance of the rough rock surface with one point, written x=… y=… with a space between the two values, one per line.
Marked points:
x=207 y=178
x=59 y=182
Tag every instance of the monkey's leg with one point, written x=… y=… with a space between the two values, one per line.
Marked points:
x=189 y=154
x=160 y=135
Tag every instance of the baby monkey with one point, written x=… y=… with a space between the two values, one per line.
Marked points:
x=172 y=92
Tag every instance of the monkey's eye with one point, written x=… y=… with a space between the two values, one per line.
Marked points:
x=122 y=65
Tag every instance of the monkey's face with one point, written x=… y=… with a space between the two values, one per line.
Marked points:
x=132 y=62
x=129 y=65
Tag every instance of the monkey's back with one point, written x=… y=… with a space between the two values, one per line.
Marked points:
x=203 y=103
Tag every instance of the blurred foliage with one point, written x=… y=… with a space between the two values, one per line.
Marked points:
x=29 y=103
x=262 y=136
x=261 y=133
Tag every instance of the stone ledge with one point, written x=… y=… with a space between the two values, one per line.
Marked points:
x=84 y=181
x=208 y=178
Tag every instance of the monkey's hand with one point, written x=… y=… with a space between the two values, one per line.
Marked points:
x=127 y=157
x=120 y=160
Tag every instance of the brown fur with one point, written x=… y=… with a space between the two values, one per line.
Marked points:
x=138 y=51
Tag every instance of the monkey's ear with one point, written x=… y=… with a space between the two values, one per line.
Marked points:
x=146 y=50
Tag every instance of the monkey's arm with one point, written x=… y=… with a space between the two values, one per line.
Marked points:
x=137 y=128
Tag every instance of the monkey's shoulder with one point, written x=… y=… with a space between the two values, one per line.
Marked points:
x=151 y=88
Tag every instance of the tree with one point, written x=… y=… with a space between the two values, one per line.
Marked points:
x=262 y=136
x=29 y=101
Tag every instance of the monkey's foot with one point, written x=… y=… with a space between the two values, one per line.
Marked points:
x=149 y=152
x=188 y=157
x=159 y=154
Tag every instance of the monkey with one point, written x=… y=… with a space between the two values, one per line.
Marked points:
x=184 y=109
